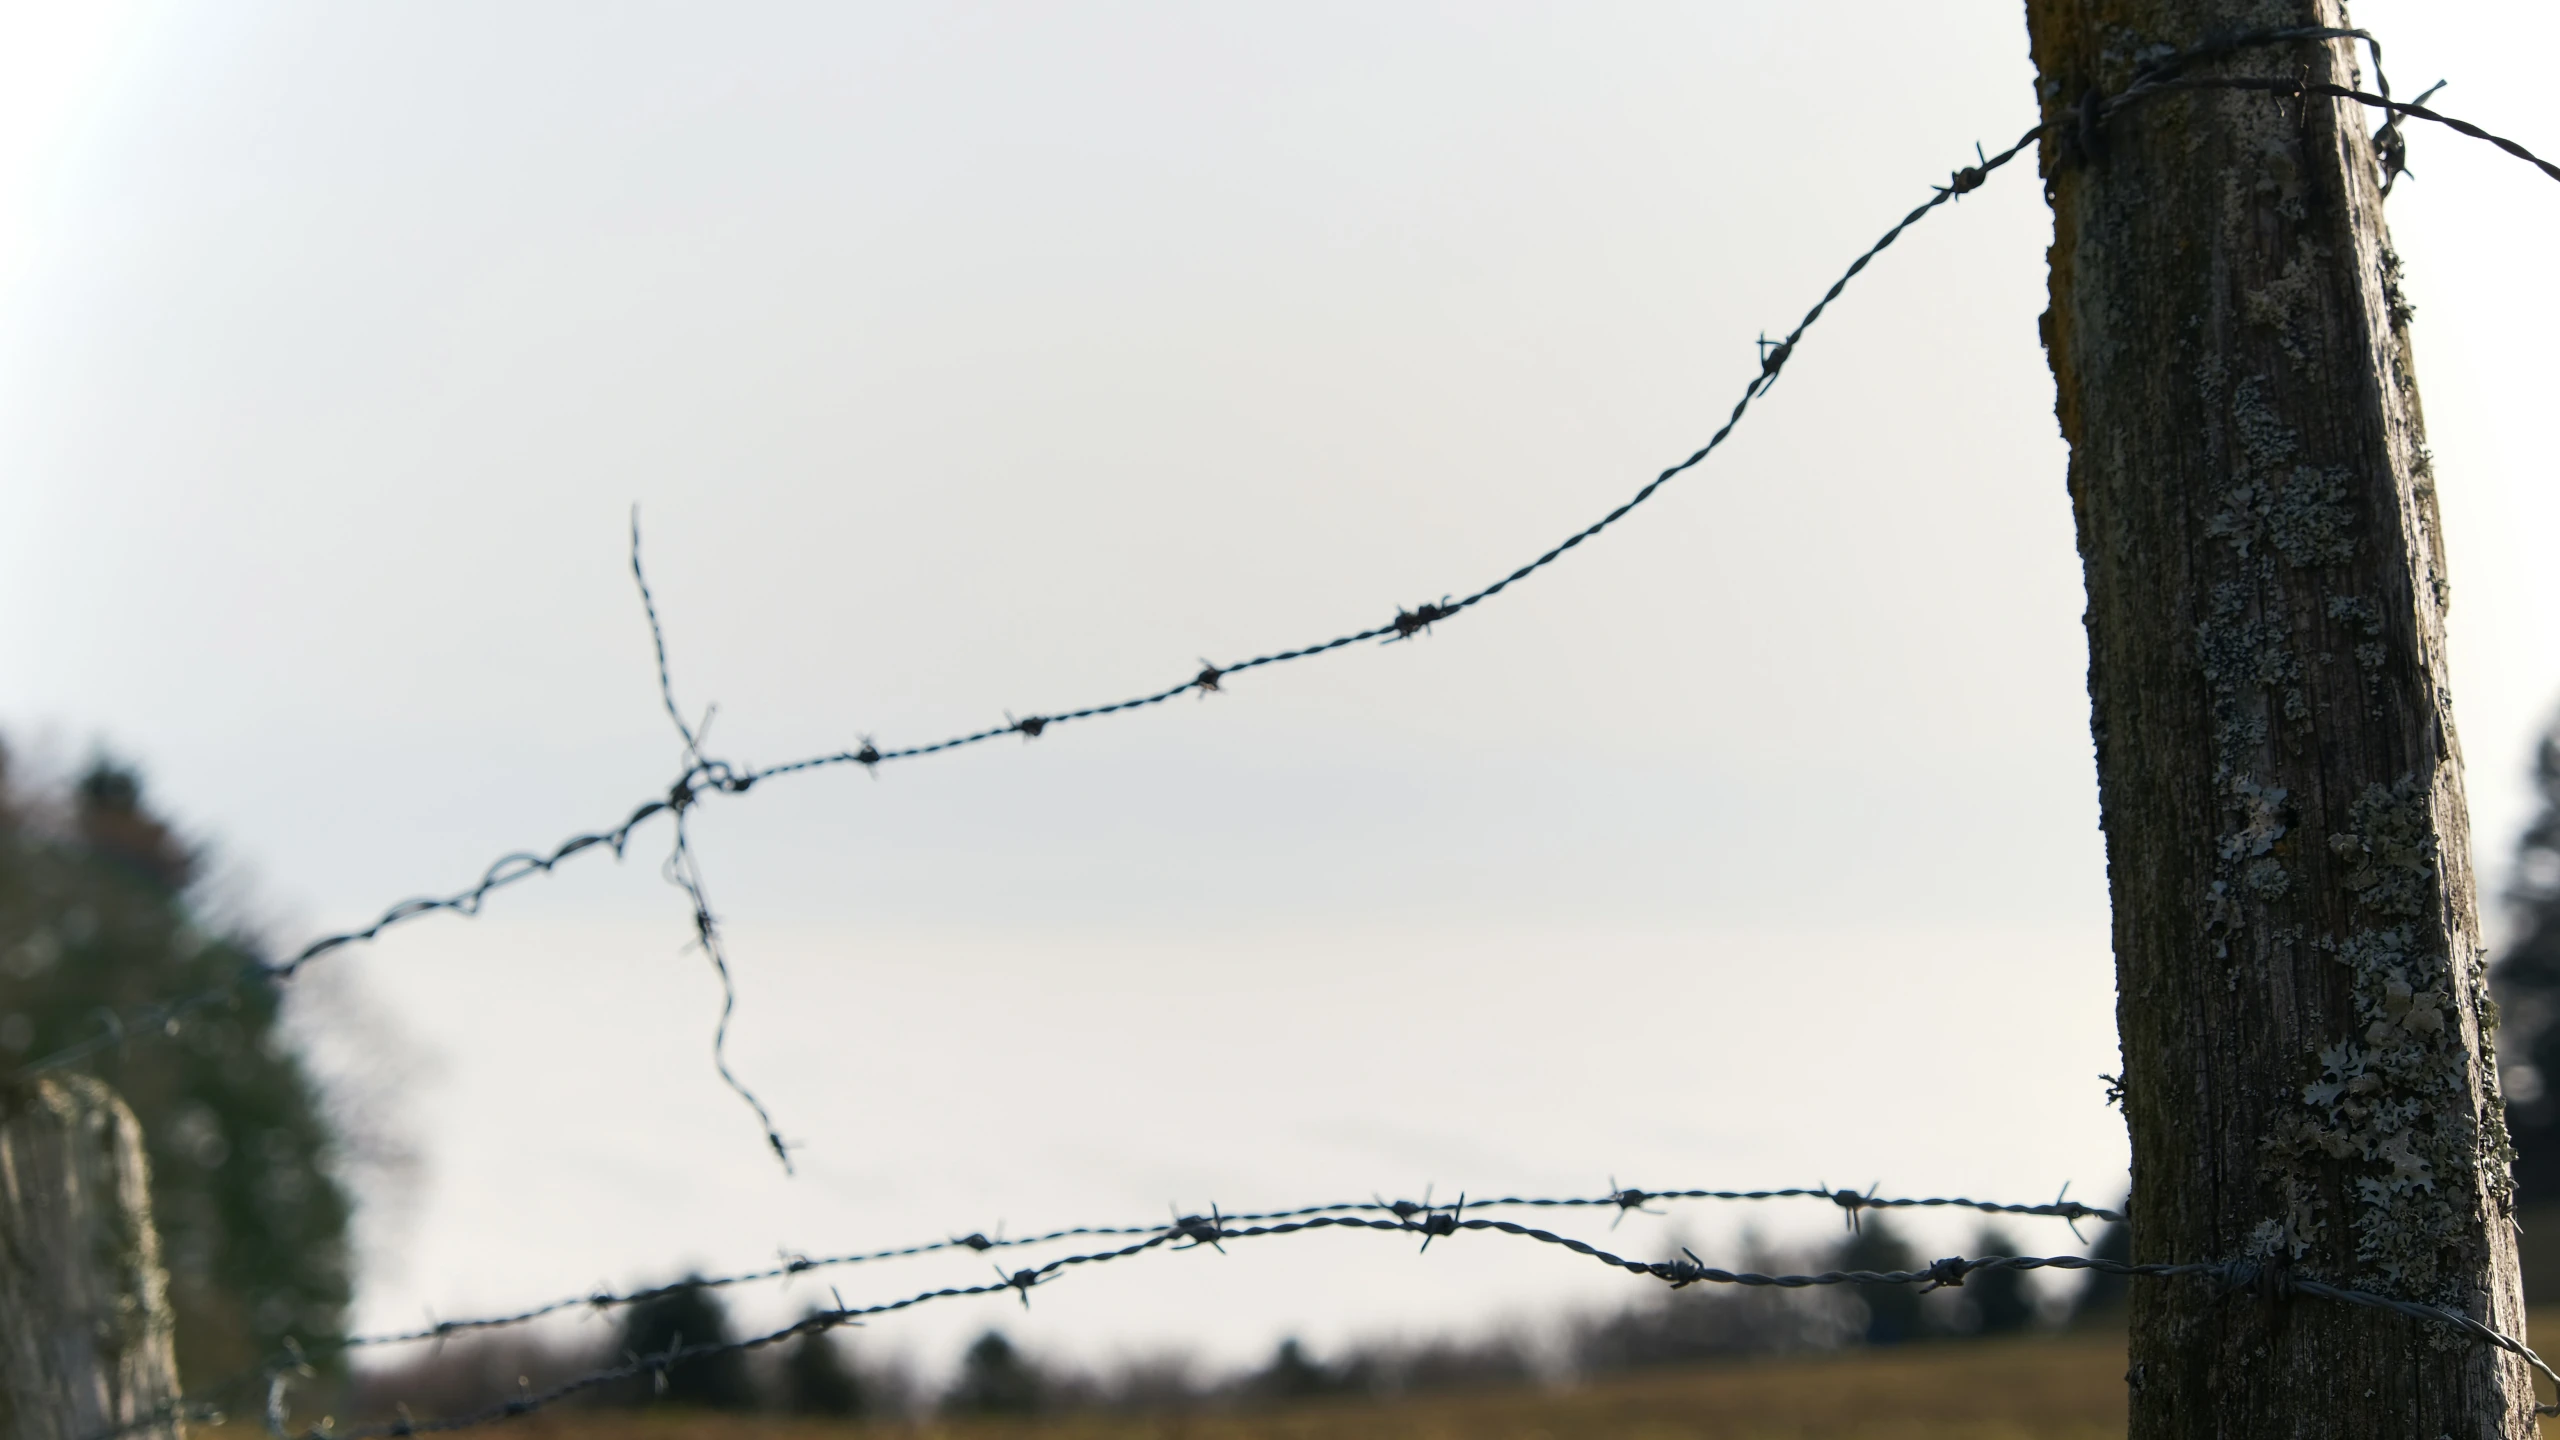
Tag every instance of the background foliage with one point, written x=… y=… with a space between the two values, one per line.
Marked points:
x=246 y=1184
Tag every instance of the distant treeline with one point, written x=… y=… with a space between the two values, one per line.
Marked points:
x=832 y=1375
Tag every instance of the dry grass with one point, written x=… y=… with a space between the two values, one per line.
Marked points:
x=2047 y=1387
x=2056 y=1388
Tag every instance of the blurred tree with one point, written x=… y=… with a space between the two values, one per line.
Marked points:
x=245 y=1184
x=684 y=1316
x=1293 y=1374
x=1894 y=1312
x=2000 y=1298
x=2527 y=979
x=995 y=1379
x=817 y=1381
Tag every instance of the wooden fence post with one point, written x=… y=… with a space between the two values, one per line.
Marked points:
x=85 y=1329
x=2310 y=1082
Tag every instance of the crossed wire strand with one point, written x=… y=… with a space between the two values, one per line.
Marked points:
x=703 y=775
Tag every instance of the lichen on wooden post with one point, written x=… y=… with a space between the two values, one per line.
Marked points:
x=2309 y=1078
x=86 y=1344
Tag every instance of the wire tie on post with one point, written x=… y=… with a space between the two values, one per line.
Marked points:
x=2088 y=122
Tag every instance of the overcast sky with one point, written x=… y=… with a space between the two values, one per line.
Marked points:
x=975 y=358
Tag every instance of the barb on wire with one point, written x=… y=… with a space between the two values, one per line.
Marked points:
x=1191 y=1230
x=2233 y=1277
x=704 y=775
x=1406 y=624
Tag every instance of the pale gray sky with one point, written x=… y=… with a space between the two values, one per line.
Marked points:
x=975 y=357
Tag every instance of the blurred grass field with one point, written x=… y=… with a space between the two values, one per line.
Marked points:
x=2050 y=1387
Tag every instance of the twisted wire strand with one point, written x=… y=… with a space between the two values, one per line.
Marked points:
x=703 y=775
x=1409 y=623
x=1622 y=1200
x=2234 y=1277
x=683 y=868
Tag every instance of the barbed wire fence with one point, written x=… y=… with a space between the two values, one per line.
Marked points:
x=2266 y=1277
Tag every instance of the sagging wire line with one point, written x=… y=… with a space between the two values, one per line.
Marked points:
x=1621 y=1199
x=705 y=775
x=1207 y=1228
x=2265 y=1277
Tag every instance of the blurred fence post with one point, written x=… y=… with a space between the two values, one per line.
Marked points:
x=86 y=1344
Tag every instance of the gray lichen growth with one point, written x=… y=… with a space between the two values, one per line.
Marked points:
x=2278 y=304
x=2393 y=1101
x=2301 y=511
x=2245 y=657
x=2367 y=617
x=2497 y=1147
x=2262 y=824
x=2390 y=855
x=2262 y=819
x=2393 y=297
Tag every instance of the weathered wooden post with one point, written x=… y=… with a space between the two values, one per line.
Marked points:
x=85 y=1330
x=2301 y=991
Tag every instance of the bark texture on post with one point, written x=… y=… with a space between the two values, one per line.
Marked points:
x=85 y=1331
x=2301 y=990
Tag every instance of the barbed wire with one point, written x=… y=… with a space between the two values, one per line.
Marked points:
x=704 y=775
x=1624 y=1200
x=2414 y=111
x=2167 y=73
x=2265 y=1277
x=683 y=868
x=1408 y=624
